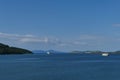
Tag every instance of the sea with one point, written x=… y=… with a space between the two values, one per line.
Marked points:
x=60 y=67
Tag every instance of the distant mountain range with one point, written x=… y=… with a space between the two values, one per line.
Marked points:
x=95 y=52
x=43 y=51
x=73 y=52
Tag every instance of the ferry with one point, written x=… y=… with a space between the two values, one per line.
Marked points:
x=105 y=54
x=48 y=52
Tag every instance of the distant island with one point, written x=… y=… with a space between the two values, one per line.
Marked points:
x=94 y=52
x=6 y=49
x=48 y=51
x=74 y=52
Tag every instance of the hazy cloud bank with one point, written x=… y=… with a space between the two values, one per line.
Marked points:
x=81 y=42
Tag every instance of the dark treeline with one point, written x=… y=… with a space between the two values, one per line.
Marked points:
x=6 y=49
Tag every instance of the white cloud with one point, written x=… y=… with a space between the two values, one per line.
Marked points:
x=83 y=42
x=15 y=36
x=90 y=37
x=80 y=43
x=28 y=39
x=116 y=25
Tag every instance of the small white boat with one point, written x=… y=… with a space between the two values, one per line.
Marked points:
x=105 y=54
x=48 y=52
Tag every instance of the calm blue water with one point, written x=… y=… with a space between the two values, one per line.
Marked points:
x=59 y=67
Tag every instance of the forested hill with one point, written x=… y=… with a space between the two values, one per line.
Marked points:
x=6 y=49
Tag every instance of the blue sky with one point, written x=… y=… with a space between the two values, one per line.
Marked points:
x=63 y=25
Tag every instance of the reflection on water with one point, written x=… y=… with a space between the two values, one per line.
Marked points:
x=59 y=67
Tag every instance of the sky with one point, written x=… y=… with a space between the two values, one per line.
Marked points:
x=63 y=25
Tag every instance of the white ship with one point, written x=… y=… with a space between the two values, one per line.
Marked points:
x=48 y=52
x=105 y=54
